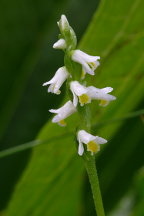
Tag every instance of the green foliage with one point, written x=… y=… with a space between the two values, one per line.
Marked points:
x=55 y=176
x=51 y=183
x=138 y=190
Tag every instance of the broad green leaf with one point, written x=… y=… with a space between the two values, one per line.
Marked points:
x=116 y=34
x=54 y=177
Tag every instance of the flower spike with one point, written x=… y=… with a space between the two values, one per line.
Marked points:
x=56 y=82
x=92 y=142
x=75 y=60
x=89 y=63
x=62 y=113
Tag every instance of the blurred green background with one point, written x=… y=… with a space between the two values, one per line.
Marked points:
x=115 y=32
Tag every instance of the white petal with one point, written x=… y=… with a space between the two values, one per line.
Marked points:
x=85 y=56
x=63 y=112
x=64 y=20
x=100 y=94
x=85 y=137
x=98 y=90
x=63 y=75
x=56 y=119
x=100 y=140
x=60 y=44
x=93 y=89
x=63 y=23
x=51 y=88
x=54 y=110
x=107 y=90
x=75 y=99
x=87 y=69
x=108 y=97
x=47 y=83
x=77 y=88
x=68 y=109
x=80 y=148
x=51 y=81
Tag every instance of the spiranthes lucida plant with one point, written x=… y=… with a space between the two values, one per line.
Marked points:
x=81 y=95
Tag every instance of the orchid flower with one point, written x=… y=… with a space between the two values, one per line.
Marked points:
x=62 y=113
x=92 y=142
x=56 y=82
x=89 y=63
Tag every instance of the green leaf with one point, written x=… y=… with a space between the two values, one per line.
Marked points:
x=54 y=176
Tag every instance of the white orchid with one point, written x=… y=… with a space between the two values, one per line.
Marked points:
x=89 y=63
x=62 y=113
x=79 y=91
x=87 y=94
x=92 y=142
x=56 y=82
x=60 y=44
x=101 y=94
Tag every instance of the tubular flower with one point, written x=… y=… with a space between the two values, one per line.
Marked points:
x=56 y=82
x=60 y=44
x=92 y=142
x=89 y=63
x=101 y=94
x=79 y=91
x=62 y=113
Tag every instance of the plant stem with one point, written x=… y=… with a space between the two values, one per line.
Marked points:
x=94 y=182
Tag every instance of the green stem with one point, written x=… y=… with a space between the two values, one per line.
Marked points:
x=94 y=182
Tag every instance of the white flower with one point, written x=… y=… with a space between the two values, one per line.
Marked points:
x=101 y=94
x=63 y=113
x=92 y=142
x=89 y=63
x=79 y=91
x=56 y=82
x=86 y=94
x=63 y=23
x=60 y=44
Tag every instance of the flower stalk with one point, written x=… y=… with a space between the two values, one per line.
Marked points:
x=90 y=165
x=77 y=65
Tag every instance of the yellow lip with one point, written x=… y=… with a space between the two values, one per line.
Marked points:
x=93 y=147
